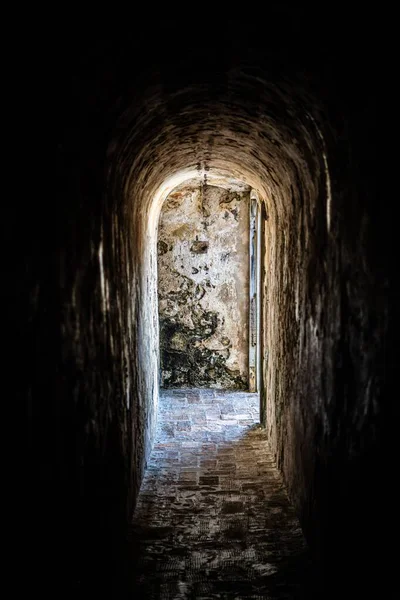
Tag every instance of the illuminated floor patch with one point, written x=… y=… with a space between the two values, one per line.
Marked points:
x=213 y=519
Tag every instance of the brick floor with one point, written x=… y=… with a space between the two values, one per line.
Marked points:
x=213 y=519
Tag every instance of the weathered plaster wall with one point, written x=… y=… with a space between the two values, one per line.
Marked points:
x=203 y=287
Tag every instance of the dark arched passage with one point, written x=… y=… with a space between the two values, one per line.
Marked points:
x=295 y=124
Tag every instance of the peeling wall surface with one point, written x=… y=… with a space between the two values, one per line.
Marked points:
x=288 y=108
x=203 y=271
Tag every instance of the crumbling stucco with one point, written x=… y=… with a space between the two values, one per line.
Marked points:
x=203 y=271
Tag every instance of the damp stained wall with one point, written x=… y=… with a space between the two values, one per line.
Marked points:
x=203 y=287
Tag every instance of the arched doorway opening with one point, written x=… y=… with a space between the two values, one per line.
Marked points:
x=209 y=247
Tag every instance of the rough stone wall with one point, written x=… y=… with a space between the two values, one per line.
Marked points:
x=93 y=427
x=327 y=340
x=203 y=287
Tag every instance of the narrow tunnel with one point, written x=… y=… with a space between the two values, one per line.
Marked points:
x=296 y=125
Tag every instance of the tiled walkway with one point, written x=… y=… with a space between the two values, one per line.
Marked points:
x=213 y=519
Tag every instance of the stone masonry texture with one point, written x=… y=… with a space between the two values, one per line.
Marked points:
x=213 y=519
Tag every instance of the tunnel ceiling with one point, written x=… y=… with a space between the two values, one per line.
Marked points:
x=252 y=130
x=252 y=124
x=231 y=96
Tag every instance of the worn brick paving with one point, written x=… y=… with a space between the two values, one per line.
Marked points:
x=213 y=519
